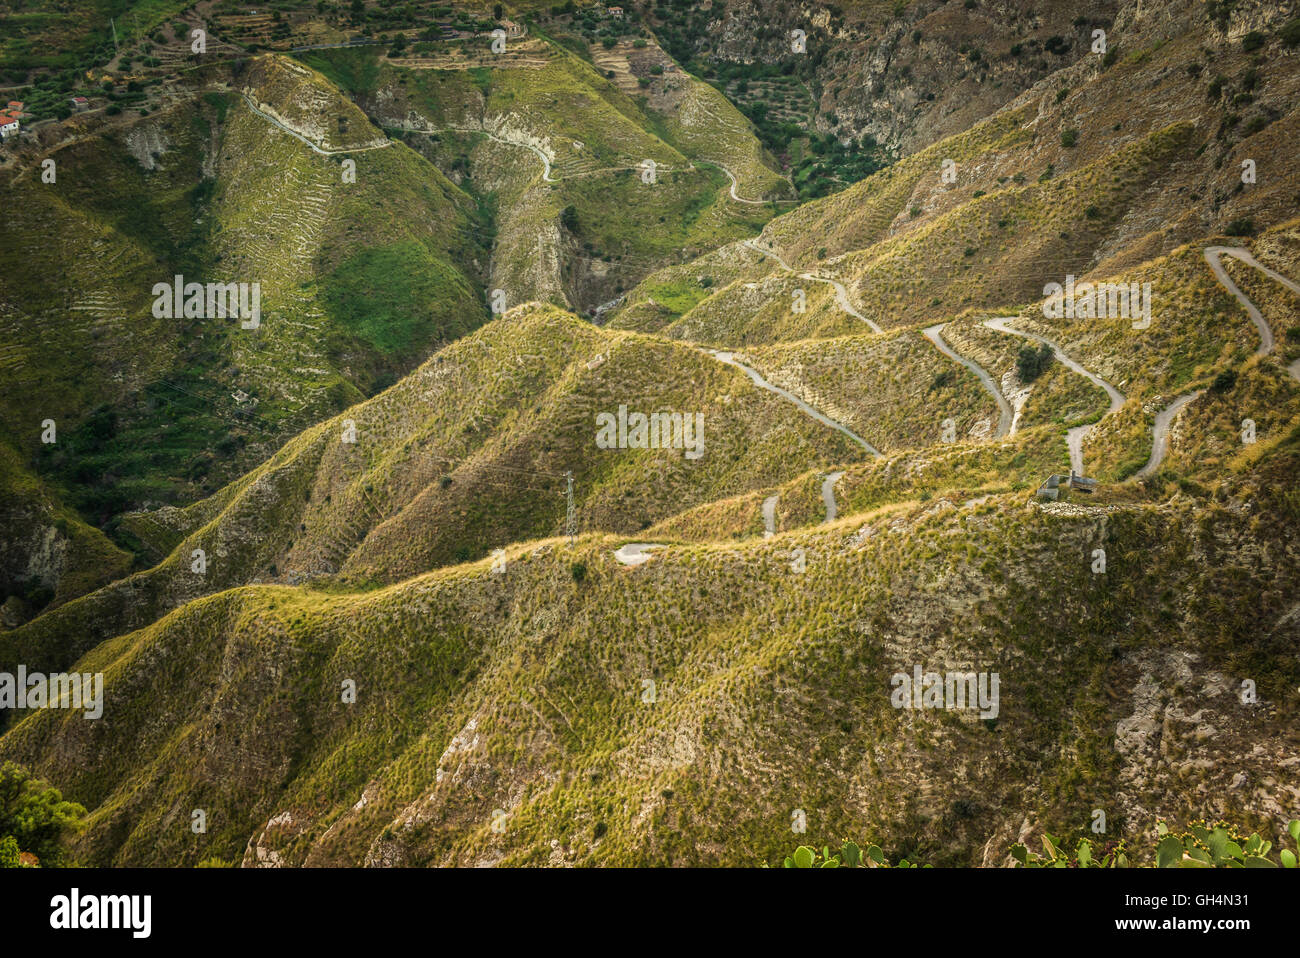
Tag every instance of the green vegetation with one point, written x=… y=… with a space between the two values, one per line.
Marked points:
x=1202 y=845
x=1032 y=361
x=206 y=400
x=390 y=297
x=849 y=855
x=355 y=71
x=603 y=706
x=36 y=824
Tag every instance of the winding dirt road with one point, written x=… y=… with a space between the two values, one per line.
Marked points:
x=841 y=294
x=1073 y=437
x=1005 y=414
x=1165 y=418
x=828 y=495
x=807 y=410
x=1160 y=432
x=734 y=196
x=298 y=136
x=1213 y=255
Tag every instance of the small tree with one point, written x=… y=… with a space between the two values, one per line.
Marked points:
x=1033 y=361
x=1224 y=381
x=35 y=816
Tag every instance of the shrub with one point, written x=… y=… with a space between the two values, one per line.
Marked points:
x=1254 y=125
x=1290 y=33
x=1069 y=137
x=849 y=855
x=1243 y=226
x=34 y=818
x=1224 y=381
x=1032 y=361
x=579 y=571
x=1203 y=845
x=943 y=379
x=1252 y=41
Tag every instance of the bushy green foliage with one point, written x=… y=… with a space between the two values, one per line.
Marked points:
x=1203 y=845
x=9 y=852
x=1224 y=381
x=396 y=298
x=1032 y=361
x=849 y=855
x=34 y=818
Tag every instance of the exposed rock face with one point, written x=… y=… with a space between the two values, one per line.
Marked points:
x=914 y=75
x=296 y=98
x=263 y=850
x=146 y=142
x=1200 y=740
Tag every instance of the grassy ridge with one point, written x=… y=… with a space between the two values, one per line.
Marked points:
x=524 y=692
x=152 y=411
x=442 y=471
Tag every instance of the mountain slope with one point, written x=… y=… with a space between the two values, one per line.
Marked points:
x=524 y=692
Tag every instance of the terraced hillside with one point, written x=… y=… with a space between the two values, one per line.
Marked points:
x=433 y=471
x=523 y=694
x=236 y=183
x=561 y=150
x=580 y=496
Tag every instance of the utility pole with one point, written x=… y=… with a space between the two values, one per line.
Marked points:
x=571 y=515
x=114 y=26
